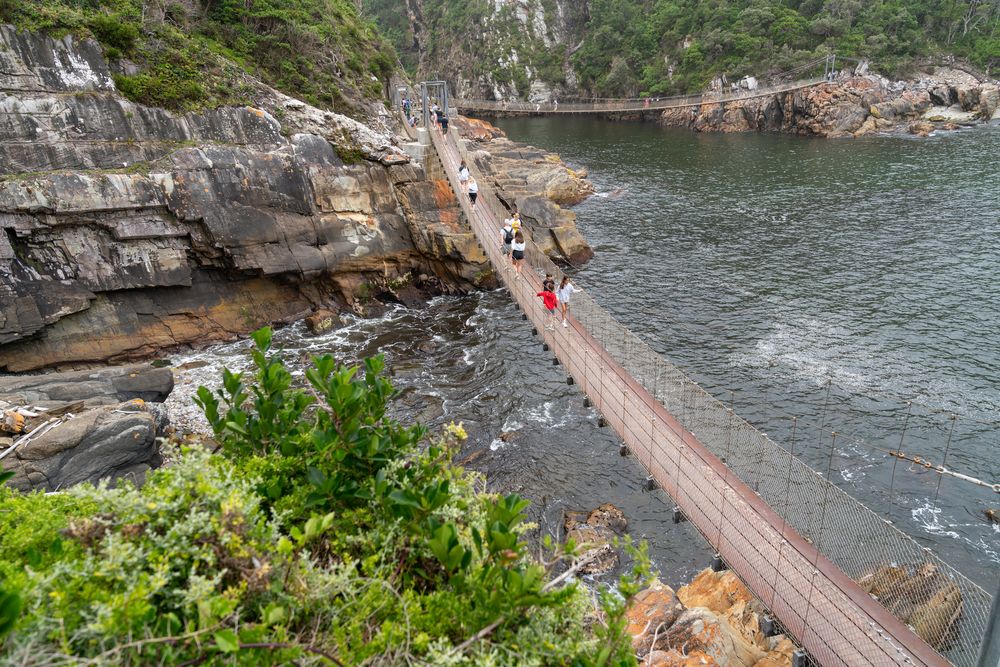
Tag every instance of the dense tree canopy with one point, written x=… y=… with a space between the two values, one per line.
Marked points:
x=652 y=47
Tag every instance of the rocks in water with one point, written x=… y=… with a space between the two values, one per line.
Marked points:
x=596 y=547
x=921 y=596
x=538 y=184
x=322 y=321
x=608 y=516
x=85 y=425
x=993 y=515
x=103 y=443
x=595 y=534
x=711 y=621
x=851 y=106
x=921 y=128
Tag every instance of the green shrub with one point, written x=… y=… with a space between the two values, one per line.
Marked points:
x=115 y=31
x=324 y=529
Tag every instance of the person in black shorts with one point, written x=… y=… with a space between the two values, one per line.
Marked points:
x=443 y=120
x=517 y=253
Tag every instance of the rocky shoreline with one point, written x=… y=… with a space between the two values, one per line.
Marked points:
x=854 y=106
x=127 y=230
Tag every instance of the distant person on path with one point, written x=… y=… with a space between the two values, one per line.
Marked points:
x=463 y=173
x=434 y=114
x=517 y=253
x=443 y=120
x=473 y=189
x=551 y=303
x=506 y=238
x=564 y=293
x=407 y=107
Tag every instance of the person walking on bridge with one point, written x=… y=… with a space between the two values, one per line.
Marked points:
x=463 y=174
x=551 y=302
x=506 y=238
x=473 y=190
x=517 y=253
x=564 y=293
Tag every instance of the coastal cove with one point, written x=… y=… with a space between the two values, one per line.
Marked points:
x=753 y=262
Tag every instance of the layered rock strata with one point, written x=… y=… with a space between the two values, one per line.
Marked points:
x=850 y=107
x=125 y=229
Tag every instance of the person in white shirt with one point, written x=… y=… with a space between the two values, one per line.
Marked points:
x=463 y=174
x=517 y=253
x=564 y=293
x=473 y=189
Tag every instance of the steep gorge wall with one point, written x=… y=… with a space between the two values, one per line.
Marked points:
x=497 y=49
x=125 y=229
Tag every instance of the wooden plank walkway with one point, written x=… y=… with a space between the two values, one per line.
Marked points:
x=826 y=612
x=628 y=106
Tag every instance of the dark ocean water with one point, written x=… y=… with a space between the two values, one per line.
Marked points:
x=830 y=281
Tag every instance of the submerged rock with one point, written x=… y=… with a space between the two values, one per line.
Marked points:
x=595 y=533
x=923 y=597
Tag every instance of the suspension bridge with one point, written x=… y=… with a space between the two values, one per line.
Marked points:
x=789 y=81
x=836 y=576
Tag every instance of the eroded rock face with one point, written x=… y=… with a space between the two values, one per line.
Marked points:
x=125 y=229
x=849 y=107
x=714 y=620
x=536 y=183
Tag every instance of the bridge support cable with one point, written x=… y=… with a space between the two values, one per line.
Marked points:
x=811 y=589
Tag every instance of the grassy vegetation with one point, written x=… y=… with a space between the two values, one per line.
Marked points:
x=194 y=54
x=323 y=533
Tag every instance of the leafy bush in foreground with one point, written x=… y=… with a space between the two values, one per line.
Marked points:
x=325 y=533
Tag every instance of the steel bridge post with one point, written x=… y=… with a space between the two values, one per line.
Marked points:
x=989 y=653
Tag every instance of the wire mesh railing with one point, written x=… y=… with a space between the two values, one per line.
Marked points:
x=629 y=106
x=780 y=83
x=807 y=549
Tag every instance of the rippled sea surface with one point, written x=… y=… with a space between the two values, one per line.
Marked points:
x=809 y=282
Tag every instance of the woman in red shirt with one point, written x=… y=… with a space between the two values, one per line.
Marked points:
x=551 y=302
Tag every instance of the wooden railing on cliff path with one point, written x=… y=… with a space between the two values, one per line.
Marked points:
x=802 y=563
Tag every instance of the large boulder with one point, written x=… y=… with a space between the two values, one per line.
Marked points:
x=103 y=443
x=701 y=633
x=650 y=615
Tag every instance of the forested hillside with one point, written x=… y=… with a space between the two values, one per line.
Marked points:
x=189 y=54
x=652 y=47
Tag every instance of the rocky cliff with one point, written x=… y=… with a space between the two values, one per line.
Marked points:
x=495 y=49
x=125 y=228
x=852 y=106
